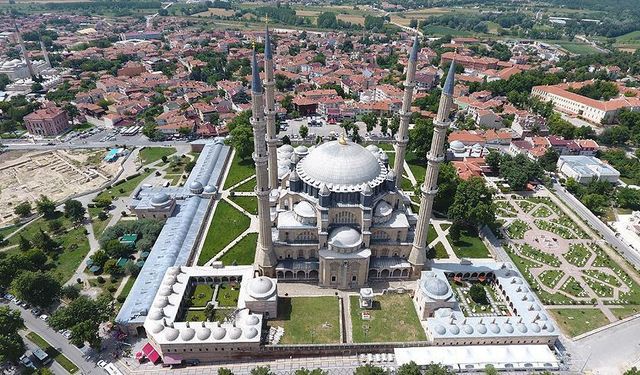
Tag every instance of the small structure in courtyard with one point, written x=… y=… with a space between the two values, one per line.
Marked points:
x=366 y=298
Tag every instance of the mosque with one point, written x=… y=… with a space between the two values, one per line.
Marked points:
x=333 y=213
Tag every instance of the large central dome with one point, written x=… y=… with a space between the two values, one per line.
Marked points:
x=342 y=165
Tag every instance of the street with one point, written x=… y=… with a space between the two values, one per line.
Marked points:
x=56 y=340
x=595 y=223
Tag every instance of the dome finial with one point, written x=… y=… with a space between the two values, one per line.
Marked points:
x=342 y=140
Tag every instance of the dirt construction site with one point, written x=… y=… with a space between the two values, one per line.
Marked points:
x=58 y=174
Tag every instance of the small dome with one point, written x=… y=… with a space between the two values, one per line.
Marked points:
x=186 y=334
x=454 y=329
x=161 y=302
x=169 y=280
x=156 y=314
x=156 y=327
x=252 y=320
x=285 y=148
x=345 y=237
x=550 y=327
x=521 y=327
x=261 y=287
x=384 y=157
x=436 y=288
x=235 y=333
x=210 y=189
x=534 y=327
x=467 y=329
x=439 y=329
x=383 y=209
x=535 y=307
x=366 y=189
x=171 y=334
x=293 y=176
x=174 y=271
x=542 y=317
x=516 y=280
x=477 y=147
x=494 y=328
x=304 y=209
x=251 y=333
x=301 y=150
x=528 y=297
x=203 y=333
x=508 y=328
x=160 y=199
x=457 y=146
x=219 y=333
x=481 y=328
x=196 y=187
x=324 y=190
x=391 y=175
x=373 y=148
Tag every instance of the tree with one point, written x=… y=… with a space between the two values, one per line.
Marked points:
x=43 y=241
x=478 y=294
x=549 y=159
x=116 y=249
x=11 y=344
x=410 y=368
x=420 y=137
x=38 y=288
x=305 y=371
x=448 y=181
x=132 y=269
x=628 y=198
x=472 y=205
x=86 y=331
x=23 y=243
x=102 y=201
x=99 y=258
x=369 y=369
x=490 y=370
x=242 y=140
x=4 y=81
x=111 y=267
x=261 y=370
x=23 y=209
x=55 y=226
x=370 y=120
x=46 y=206
x=70 y=292
x=74 y=210
x=304 y=131
x=224 y=371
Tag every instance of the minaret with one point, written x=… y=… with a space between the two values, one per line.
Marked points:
x=402 y=137
x=270 y=111
x=45 y=54
x=435 y=156
x=265 y=258
x=25 y=54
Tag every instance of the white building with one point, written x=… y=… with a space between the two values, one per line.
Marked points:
x=584 y=169
x=17 y=69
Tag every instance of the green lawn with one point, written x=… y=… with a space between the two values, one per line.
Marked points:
x=227 y=224
x=201 y=295
x=308 y=320
x=469 y=246
x=227 y=296
x=53 y=353
x=195 y=316
x=250 y=204
x=432 y=234
x=127 y=187
x=517 y=229
x=575 y=322
x=242 y=253
x=444 y=30
x=441 y=252
x=97 y=224
x=248 y=186
x=150 y=154
x=240 y=170
x=127 y=287
x=392 y=319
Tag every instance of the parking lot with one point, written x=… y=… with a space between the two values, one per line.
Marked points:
x=319 y=127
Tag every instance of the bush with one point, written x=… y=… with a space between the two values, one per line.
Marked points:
x=121 y=299
x=70 y=292
x=112 y=288
x=100 y=279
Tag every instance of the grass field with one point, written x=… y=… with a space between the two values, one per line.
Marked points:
x=227 y=296
x=308 y=320
x=239 y=170
x=53 y=353
x=441 y=252
x=150 y=154
x=575 y=322
x=97 y=224
x=469 y=246
x=250 y=204
x=242 y=253
x=201 y=295
x=248 y=186
x=125 y=188
x=392 y=319
x=127 y=287
x=227 y=224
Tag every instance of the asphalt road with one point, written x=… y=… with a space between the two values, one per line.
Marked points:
x=607 y=233
x=56 y=340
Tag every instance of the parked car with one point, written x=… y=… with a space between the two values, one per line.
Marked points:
x=44 y=317
x=102 y=364
x=66 y=334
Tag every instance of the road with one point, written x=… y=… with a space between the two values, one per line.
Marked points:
x=57 y=341
x=607 y=233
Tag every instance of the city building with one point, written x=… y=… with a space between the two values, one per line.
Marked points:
x=585 y=169
x=47 y=122
x=18 y=69
x=596 y=111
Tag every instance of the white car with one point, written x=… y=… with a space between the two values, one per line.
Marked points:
x=102 y=363
x=66 y=334
x=44 y=317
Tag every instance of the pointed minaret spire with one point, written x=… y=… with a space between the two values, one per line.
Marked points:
x=265 y=258
x=402 y=137
x=270 y=112
x=435 y=156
